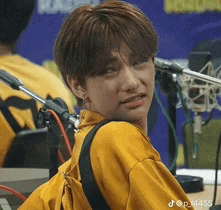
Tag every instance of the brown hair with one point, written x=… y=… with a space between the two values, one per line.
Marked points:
x=89 y=33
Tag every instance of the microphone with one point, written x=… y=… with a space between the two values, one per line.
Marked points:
x=175 y=68
x=10 y=80
x=16 y=84
x=166 y=66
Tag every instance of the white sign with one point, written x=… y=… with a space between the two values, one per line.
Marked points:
x=61 y=6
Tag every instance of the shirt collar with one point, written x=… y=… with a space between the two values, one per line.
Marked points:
x=88 y=117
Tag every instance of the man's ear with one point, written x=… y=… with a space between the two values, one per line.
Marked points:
x=76 y=88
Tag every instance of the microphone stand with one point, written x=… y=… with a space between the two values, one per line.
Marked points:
x=188 y=182
x=53 y=134
x=172 y=101
x=168 y=86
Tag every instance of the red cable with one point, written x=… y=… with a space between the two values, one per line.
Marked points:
x=16 y=193
x=61 y=156
x=62 y=130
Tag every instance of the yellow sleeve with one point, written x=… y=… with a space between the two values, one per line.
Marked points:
x=153 y=186
x=129 y=171
x=48 y=196
x=34 y=202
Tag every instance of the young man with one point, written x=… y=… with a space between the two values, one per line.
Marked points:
x=106 y=54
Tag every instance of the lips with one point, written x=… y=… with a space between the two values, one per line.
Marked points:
x=133 y=98
x=134 y=102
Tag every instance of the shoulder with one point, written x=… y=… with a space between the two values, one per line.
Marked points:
x=118 y=129
x=119 y=146
x=120 y=139
x=36 y=70
x=44 y=72
x=23 y=68
x=44 y=81
x=35 y=77
x=116 y=134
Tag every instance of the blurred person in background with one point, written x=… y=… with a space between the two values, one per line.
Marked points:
x=18 y=111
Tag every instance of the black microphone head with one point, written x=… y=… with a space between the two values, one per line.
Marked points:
x=167 y=66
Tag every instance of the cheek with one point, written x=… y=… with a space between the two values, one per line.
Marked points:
x=148 y=79
x=102 y=92
x=151 y=86
x=148 y=82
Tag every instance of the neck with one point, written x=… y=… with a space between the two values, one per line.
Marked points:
x=143 y=125
x=5 y=50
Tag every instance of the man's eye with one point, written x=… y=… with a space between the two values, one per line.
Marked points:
x=138 y=62
x=110 y=70
x=135 y=63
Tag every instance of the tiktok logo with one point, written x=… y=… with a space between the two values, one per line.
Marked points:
x=170 y=204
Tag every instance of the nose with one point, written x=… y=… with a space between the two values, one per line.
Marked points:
x=129 y=78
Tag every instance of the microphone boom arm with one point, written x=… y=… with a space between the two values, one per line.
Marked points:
x=203 y=77
x=174 y=68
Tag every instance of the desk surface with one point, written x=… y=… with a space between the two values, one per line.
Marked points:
x=26 y=180
x=205 y=196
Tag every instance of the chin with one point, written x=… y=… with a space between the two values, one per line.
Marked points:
x=134 y=115
x=129 y=115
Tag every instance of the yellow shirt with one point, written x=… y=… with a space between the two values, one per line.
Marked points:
x=128 y=170
x=22 y=107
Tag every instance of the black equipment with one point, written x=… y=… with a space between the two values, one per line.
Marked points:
x=29 y=150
